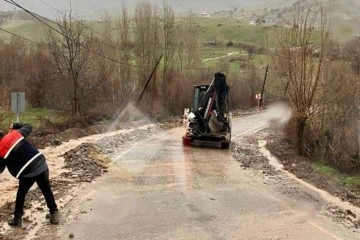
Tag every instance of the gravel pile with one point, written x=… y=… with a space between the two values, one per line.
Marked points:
x=109 y=144
x=84 y=163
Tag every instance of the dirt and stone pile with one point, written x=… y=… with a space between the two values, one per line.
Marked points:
x=346 y=217
x=109 y=144
x=84 y=163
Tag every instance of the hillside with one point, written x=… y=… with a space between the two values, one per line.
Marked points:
x=94 y=8
x=344 y=16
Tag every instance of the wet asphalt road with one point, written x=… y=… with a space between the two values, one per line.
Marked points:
x=159 y=189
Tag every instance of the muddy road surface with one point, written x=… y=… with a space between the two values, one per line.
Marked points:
x=158 y=189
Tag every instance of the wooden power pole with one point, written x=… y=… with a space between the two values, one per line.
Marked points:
x=263 y=87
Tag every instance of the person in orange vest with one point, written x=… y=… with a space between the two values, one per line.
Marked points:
x=28 y=165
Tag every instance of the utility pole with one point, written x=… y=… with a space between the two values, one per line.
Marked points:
x=359 y=128
x=263 y=87
x=150 y=77
x=153 y=91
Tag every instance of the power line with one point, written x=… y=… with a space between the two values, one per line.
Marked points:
x=40 y=18
x=45 y=21
x=91 y=30
x=40 y=44
x=109 y=45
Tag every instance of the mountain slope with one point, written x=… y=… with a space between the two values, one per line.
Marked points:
x=344 y=15
x=94 y=7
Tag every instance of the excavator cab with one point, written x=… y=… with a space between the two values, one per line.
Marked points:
x=209 y=119
x=199 y=93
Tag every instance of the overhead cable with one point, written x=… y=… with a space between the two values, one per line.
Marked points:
x=41 y=19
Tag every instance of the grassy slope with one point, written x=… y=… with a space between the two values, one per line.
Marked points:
x=32 y=116
x=28 y=29
x=221 y=29
x=232 y=30
x=209 y=28
x=224 y=30
x=350 y=181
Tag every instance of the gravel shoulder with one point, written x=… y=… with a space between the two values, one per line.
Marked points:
x=296 y=177
x=305 y=169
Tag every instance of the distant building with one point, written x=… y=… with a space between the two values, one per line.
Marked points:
x=204 y=14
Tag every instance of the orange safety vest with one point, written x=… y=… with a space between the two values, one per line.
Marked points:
x=8 y=142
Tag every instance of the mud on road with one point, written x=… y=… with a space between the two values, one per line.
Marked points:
x=80 y=165
x=89 y=160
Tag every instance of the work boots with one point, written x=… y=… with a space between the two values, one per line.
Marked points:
x=54 y=217
x=15 y=222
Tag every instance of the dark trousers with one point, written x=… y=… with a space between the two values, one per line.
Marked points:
x=25 y=183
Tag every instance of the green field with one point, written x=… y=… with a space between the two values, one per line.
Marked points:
x=232 y=30
x=211 y=30
x=31 y=30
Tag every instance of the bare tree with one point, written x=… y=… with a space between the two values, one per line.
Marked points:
x=352 y=54
x=336 y=124
x=11 y=77
x=70 y=48
x=124 y=73
x=168 y=23
x=147 y=42
x=187 y=53
x=37 y=76
x=300 y=58
x=10 y=70
x=115 y=43
x=108 y=71
x=2 y=19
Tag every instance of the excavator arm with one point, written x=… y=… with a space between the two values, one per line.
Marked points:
x=209 y=117
x=212 y=101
